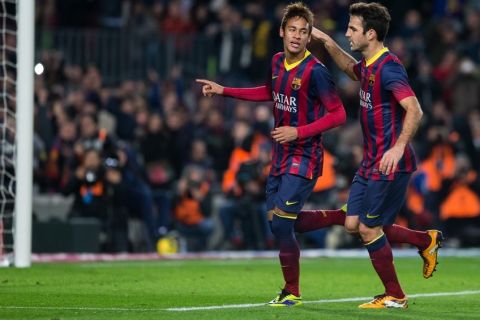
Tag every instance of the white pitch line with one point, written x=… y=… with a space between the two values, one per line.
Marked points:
x=83 y=308
x=418 y=295
x=231 y=306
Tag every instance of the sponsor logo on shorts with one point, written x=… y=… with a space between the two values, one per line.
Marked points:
x=290 y=203
x=369 y=216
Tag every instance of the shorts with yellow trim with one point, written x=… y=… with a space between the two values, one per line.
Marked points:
x=288 y=192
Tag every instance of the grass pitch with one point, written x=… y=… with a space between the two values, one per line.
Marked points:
x=232 y=289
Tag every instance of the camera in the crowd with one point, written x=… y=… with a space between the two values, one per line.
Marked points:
x=111 y=163
x=91 y=176
x=248 y=171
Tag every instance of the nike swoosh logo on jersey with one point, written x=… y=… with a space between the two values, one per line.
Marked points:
x=274 y=77
x=289 y=203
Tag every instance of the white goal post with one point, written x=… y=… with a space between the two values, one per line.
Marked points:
x=16 y=130
x=24 y=133
x=16 y=134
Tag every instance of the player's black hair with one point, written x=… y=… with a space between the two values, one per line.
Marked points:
x=298 y=9
x=374 y=15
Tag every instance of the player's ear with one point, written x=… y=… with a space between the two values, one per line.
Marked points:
x=281 y=32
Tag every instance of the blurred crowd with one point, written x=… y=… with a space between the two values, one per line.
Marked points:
x=155 y=150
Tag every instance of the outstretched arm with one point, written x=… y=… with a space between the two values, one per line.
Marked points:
x=211 y=88
x=343 y=60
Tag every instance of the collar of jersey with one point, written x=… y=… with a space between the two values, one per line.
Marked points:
x=289 y=67
x=375 y=57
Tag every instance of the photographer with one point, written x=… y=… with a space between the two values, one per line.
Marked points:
x=138 y=197
x=193 y=206
x=460 y=208
x=247 y=206
x=100 y=193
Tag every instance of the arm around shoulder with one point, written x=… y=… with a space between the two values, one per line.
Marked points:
x=342 y=59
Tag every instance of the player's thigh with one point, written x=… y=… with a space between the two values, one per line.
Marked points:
x=293 y=192
x=355 y=203
x=384 y=199
x=271 y=189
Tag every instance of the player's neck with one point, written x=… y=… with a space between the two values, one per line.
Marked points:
x=292 y=58
x=372 y=50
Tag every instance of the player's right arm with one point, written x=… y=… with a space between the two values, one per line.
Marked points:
x=210 y=88
x=343 y=60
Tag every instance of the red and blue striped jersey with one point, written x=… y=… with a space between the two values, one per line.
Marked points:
x=302 y=93
x=383 y=83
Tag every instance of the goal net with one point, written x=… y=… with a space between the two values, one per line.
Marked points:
x=8 y=68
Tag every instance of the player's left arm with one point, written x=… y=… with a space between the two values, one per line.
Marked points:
x=397 y=82
x=336 y=116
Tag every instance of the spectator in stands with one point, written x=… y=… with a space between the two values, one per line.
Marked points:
x=460 y=206
x=219 y=141
x=242 y=214
x=100 y=193
x=139 y=198
x=61 y=159
x=193 y=208
x=233 y=43
x=178 y=124
x=155 y=148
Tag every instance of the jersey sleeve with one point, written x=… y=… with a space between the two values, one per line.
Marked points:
x=324 y=88
x=395 y=79
x=261 y=93
x=327 y=93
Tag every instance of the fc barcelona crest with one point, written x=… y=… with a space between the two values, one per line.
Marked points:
x=296 y=83
x=371 y=80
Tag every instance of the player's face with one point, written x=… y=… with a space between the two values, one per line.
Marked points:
x=295 y=35
x=355 y=34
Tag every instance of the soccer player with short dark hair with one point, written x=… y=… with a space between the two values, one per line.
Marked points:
x=389 y=116
x=305 y=105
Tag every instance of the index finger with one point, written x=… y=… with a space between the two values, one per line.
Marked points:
x=204 y=81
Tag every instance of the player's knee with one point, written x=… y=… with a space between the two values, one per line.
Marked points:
x=351 y=226
x=369 y=233
x=363 y=230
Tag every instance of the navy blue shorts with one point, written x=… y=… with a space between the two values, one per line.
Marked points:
x=377 y=202
x=288 y=192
